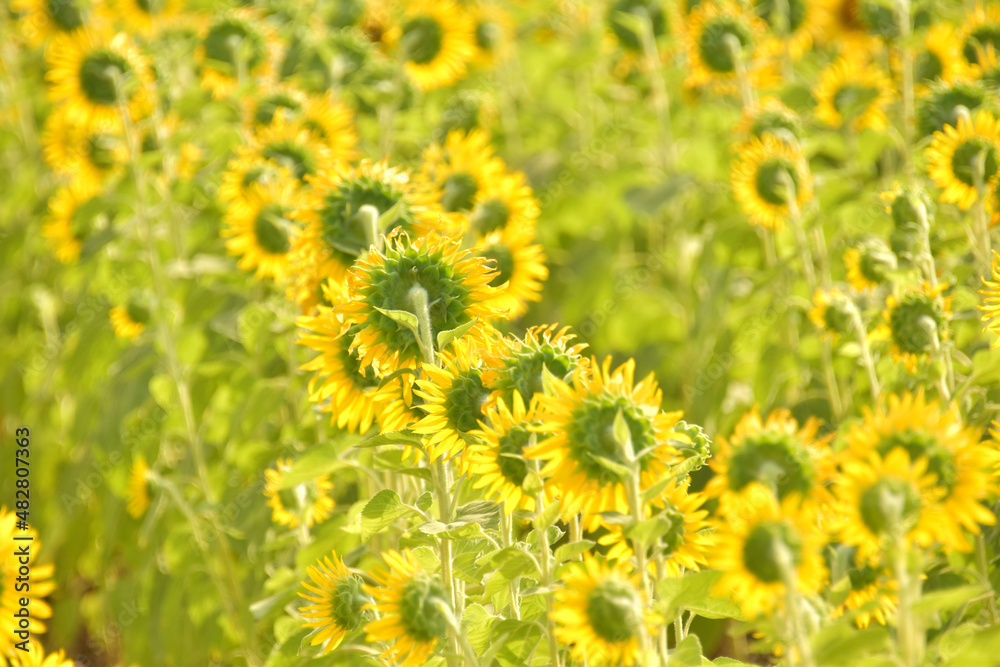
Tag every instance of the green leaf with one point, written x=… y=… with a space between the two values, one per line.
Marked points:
x=621 y=471
x=687 y=653
x=572 y=550
x=948 y=599
x=546 y=516
x=647 y=530
x=841 y=643
x=477 y=625
x=484 y=512
x=653 y=492
x=693 y=592
x=394 y=438
x=511 y=561
x=403 y=318
x=425 y=501
x=622 y=435
x=445 y=338
x=458 y=530
x=384 y=508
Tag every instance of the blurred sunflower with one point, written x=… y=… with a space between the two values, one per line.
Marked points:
x=872 y=596
x=939 y=57
x=72 y=221
x=935 y=438
x=294 y=146
x=583 y=458
x=35 y=657
x=40 y=20
x=520 y=272
x=137 y=492
x=493 y=33
x=961 y=160
x=309 y=501
x=795 y=24
x=147 y=17
x=455 y=174
x=991 y=302
x=407 y=606
x=945 y=103
x=40 y=584
x=687 y=543
x=396 y=409
x=765 y=545
x=237 y=45
x=332 y=123
x=435 y=276
x=244 y=170
x=273 y=100
x=855 y=93
x=869 y=263
x=720 y=38
x=453 y=400
x=340 y=385
x=259 y=230
x=883 y=497
x=769 y=116
x=504 y=204
x=130 y=320
x=494 y=458
x=600 y=613
x=437 y=41
x=337 y=599
x=832 y=312
x=916 y=323
x=523 y=362
x=94 y=74
x=655 y=14
x=89 y=153
x=776 y=454
x=764 y=174
x=980 y=29
x=335 y=233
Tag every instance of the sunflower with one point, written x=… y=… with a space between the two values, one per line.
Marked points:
x=887 y=496
x=962 y=160
x=991 y=302
x=457 y=172
x=332 y=123
x=795 y=24
x=431 y=279
x=769 y=115
x=41 y=20
x=523 y=362
x=600 y=613
x=437 y=39
x=245 y=169
x=868 y=265
x=494 y=459
x=340 y=386
x=40 y=583
x=395 y=408
x=89 y=153
x=981 y=29
x=766 y=544
x=338 y=599
x=270 y=101
x=147 y=17
x=309 y=500
x=93 y=74
x=832 y=312
x=685 y=546
x=130 y=320
x=763 y=176
x=72 y=221
x=407 y=605
x=583 y=458
x=872 y=596
x=453 y=400
x=935 y=437
x=846 y=29
x=520 y=272
x=294 y=146
x=853 y=92
x=237 y=45
x=655 y=14
x=335 y=235
x=504 y=203
x=35 y=657
x=714 y=31
x=776 y=453
x=259 y=231
x=493 y=33
x=138 y=488
x=916 y=323
x=944 y=103
x=939 y=57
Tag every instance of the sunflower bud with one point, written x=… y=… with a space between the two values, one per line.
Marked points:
x=832 y=312
x=699 y=444
x=870 y=263
x=614 y=610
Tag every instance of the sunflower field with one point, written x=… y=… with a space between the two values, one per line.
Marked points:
x=468 y=333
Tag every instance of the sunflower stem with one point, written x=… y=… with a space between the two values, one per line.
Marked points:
x=866 y=353
x=421 y=308
x=661 y=99
x=982 y=565
x=638 y=546
x=506 y=540
x=790 y=580
x=369 y=219
x=908 y=633
x=546 y=565
x=906 y=60
x=979 y=214
x=736 y=53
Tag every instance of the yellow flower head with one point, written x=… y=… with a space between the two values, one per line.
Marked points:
x=35 y=657
x=523 y=362
x=407 y=605
x=259 y=229
x=981 y=29
x=766 y=176
x=916 y=323
x=437 y=40
x=504 y=203
x=130 y=320
x=41 y=20
x=138 y=488
x=520 y=272
x=769 y=116
x=337 y=600
x=853 y=92
x=237 y=45
x=583 y=456
x=600 y=612
x=965 y=159
x=494 y=34
x=869 y=263
x=720 y=38
x=796 y=28
x=939 y=57
x=764 y=547
x=832 y=312
x=89 y=153
x=991 y=301
x=73 y=220
x=872 y=596
x=309 y=500
x=147 y=17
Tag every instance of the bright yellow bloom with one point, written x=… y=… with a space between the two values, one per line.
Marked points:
x=309 y=500
x=991 y=302
x=853 y=92
x=961 y=160
x=437 y=40
x=766 y=176
x=719 y=37
x=88 y=153
x=130 y=320
x=916 y=323
x=337 y=598
x=138 y=488
x=72 y=221
x=259 y=229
